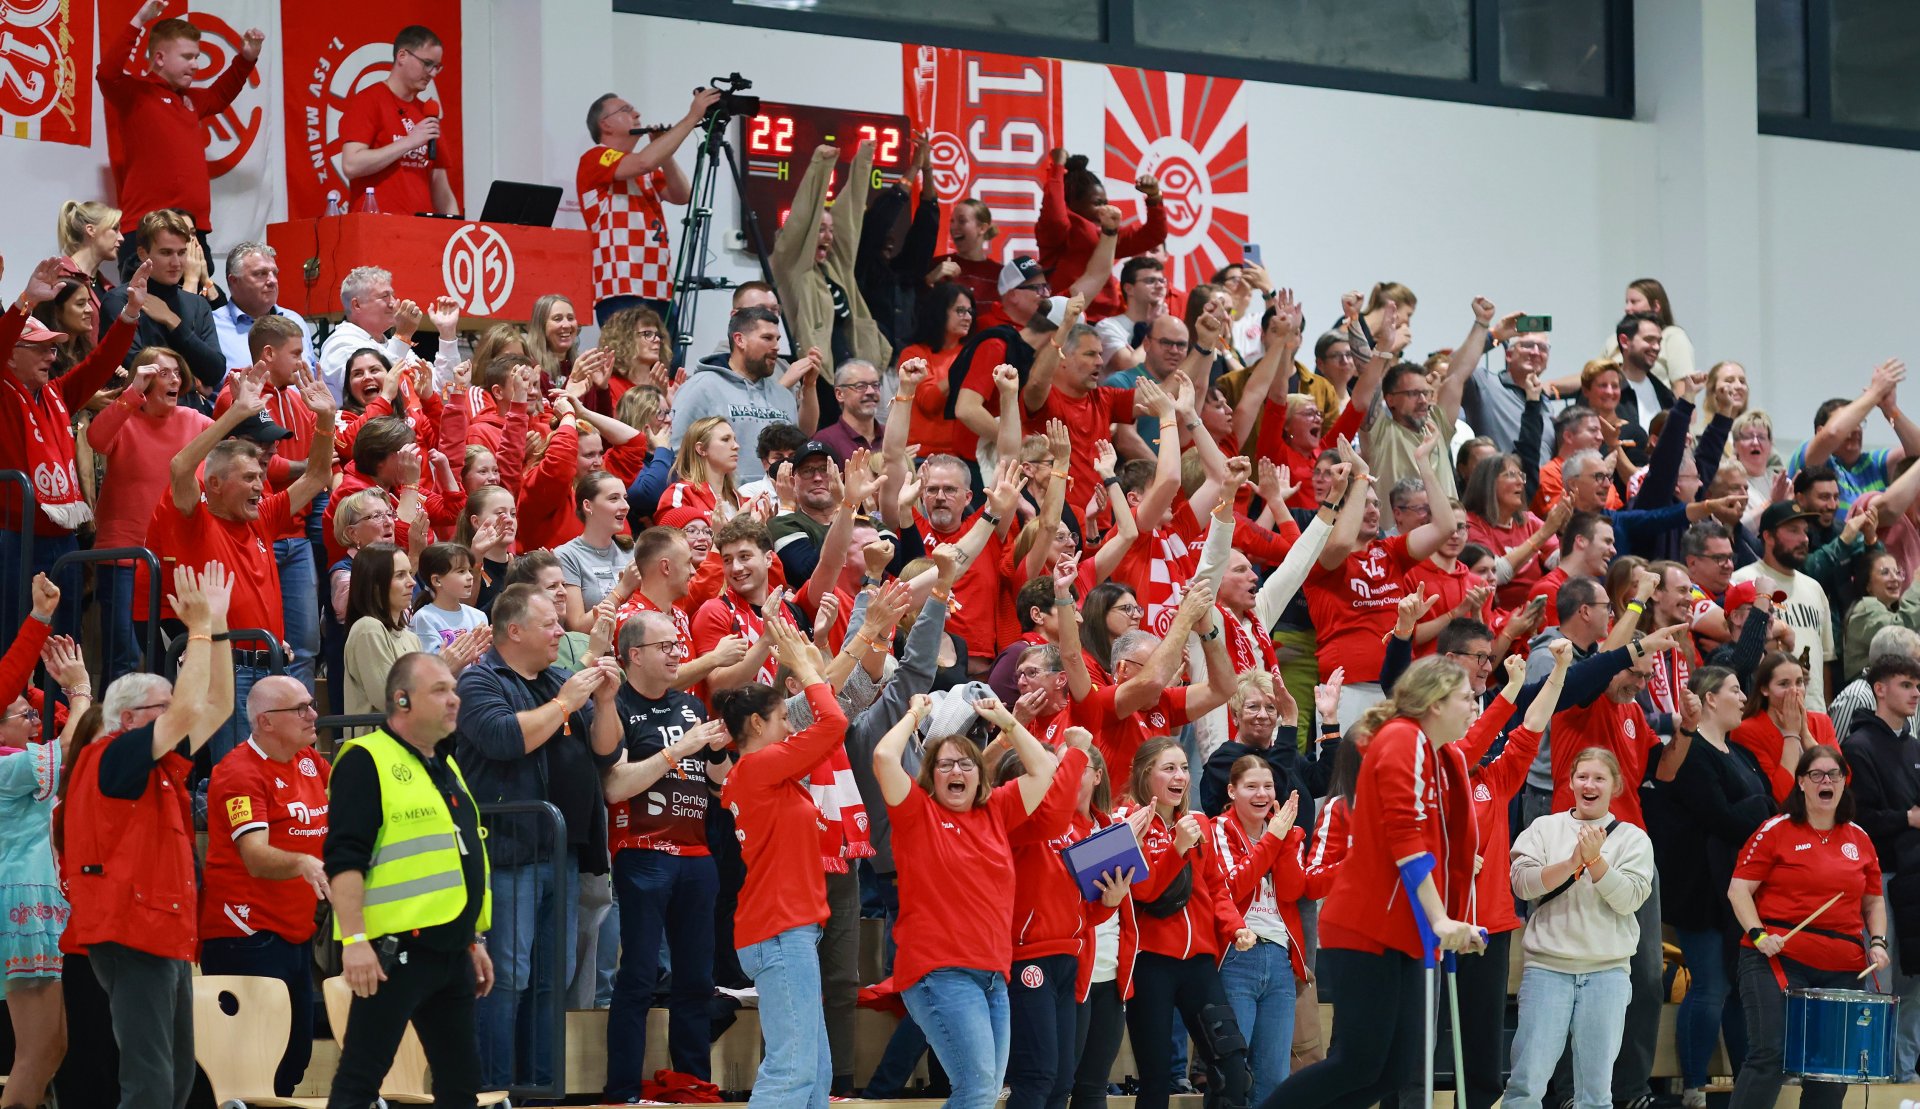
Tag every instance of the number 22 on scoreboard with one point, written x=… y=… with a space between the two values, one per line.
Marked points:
x=769 y=134
x=885 y=140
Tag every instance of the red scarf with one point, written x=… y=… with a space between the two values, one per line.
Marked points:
x=749 y=624
x=49 y=446
x=1170 y=567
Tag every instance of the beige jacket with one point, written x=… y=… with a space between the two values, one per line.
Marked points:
x=802 y=285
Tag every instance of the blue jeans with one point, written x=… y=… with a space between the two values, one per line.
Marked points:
x=1710 y=1006
x=671 y=895
x=299 y=606
x=123 y=649
x=529 y=964
x=1591 y=1006
x=14 y=574
x=1260 y=987
x=797 y=1068
x=964 y=1014
x=236 y=730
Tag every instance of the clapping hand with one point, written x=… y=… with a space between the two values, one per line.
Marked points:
x=64 y=662
x=1326 y=696
x=466 y=647
x=1281 y=822
x=406 y=320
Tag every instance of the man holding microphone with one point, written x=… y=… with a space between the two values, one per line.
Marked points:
x=390 y=138
x=408 y=872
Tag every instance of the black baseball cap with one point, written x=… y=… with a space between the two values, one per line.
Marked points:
x=812 y=448
x=1783 y=512
x=260 y=430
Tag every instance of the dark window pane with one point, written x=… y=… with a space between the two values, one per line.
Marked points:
x=1554 y=45
x=1423 y=38
x=1069 y=19
x=1876 y=47
x=1780 y=30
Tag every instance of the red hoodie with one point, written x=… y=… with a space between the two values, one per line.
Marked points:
x=1248 y=864
x=1410 y=800
x=1204 y=926
x=1494 y=787
x=547 y=518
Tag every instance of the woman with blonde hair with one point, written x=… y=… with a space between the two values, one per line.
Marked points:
x=703 y=476
x=551 y=335
x=1726 y=391
x=1750 y=443
x=1407 y=875
x=1586 y=874
x=971 y=229
x=88 y=232
x=642 y=355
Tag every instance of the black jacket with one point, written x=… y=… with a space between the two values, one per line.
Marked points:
x=1711 y=808
x=1290 y=774
x=195 y=338
x=1886 y=783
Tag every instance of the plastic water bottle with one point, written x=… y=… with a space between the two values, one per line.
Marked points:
x=368 y=205
x=335 y=205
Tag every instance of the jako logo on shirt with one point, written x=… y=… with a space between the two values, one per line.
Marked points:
x=477 y=266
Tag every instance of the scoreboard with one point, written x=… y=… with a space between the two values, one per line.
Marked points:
x=778 y=145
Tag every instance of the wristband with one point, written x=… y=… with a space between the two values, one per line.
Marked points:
x=1062 y=602
x=1110 y=480
x=1061 y=474
x=200 y=638
x=1877 y=941
x=943 y=594
x=902 y=398
x=990 y=517
x=47 y=620
x=1209 y=637
x=1756 y=934
x=1636 y=607
x=82 y=690
x=349 y=941
x=868 y=579
x=1113 y=231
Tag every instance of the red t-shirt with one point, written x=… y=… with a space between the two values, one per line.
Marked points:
x=956 y=884
x=980 y=592
x=1549 y=587
x=1090 y=420
x=1502 y=540
x=1120 y=738
x=1052 y=731
x=1451 y=588
x=779 y=827
x=249 y=793
x=638 y=602
x=1621 y=729
x=930 y=432
x=244 y=546
x=1798 y=870
x=725 y=615
x=377 y=117
x=1354 y=605
x=981 y=279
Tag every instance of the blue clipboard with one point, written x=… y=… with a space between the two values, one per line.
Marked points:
x=1105 y=850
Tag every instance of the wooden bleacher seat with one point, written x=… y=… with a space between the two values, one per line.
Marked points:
x=240 y=1050
x=408 y=1081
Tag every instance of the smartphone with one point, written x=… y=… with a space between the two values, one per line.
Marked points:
x=1250 y=255
x=1525 y=324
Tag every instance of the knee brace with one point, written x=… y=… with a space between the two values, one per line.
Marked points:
x=1221 y=1031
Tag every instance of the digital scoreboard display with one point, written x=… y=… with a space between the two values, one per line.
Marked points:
x=777 y=146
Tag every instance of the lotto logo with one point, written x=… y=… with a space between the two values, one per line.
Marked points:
x=477 y=266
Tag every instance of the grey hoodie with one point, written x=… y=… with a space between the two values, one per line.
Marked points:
x=713 y=389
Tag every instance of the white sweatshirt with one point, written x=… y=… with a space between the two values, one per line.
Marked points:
x=1591 y=927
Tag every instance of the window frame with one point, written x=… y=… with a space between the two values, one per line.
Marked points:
x=1818 y=122
x=1116 y=46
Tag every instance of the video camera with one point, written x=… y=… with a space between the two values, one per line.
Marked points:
x=732 y=102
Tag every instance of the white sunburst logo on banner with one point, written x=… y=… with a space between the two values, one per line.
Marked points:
x=1190 y=133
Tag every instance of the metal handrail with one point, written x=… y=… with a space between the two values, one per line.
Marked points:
x=29 y=512
x=107 y=554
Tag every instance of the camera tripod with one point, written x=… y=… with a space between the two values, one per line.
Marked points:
x=690 y=267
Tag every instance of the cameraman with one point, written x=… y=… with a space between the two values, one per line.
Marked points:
x=620 y=195
x=401 y=818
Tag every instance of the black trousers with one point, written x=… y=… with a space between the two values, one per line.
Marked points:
x=90 y=1076
x=1761 y=1077
x=265 y=955
x=1043 y=1019
x=434 y=990
x=1163 y=985
x=1378 y=1033
x=1102 y=1021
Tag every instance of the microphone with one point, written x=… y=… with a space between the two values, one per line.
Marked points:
x=433 y=145
x=651 y=129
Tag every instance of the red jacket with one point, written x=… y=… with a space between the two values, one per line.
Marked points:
x=128 y=865
x=1247 y=864
x=1204 y=926
x=1067 y=239
x=1410 y=800
x=1048 y=913
x=1494 y=787
x=547 y=518
x=1332 y=839
x=167 y=166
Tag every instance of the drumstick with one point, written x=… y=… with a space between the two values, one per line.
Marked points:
x=1811 y=917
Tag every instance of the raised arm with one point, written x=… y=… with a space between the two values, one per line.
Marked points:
x=1051 y=502
x=1428 y=537
x=895 y=782
x=893 y=441
x=183 y=473
x=1157 y=501
x=318 y=477
x=1213 y=461
x=1144 y=688
x=1280 y=343
x=794 y=243
x=1125 y=531
x=1352 y=508
x=1039 y=384
x=1828 y=437
x=1099 y=269
x=1036 y=761
x=1464 y=358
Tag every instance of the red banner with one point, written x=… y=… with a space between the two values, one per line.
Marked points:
x=1190 y=132
x=46 y=70
x=993 y=118
x=330 y=52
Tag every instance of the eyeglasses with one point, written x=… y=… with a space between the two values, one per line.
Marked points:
x=668 y=647
x=1722 y=558
x=161 y=705
x=943 y=491
x=950 y=766
x=435 y=67
x=860 y=386
x=961 y=310
x=1174 y=344
x=1479 y=658
x=28 y=713
x=376 y=517
x=1129 y=609
x=1824 y=776
x=301 y=709
x=649 y=334
x=1411 y=393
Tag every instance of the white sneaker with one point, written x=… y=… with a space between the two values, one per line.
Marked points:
x=1695 y=1098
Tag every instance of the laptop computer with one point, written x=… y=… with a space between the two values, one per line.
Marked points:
x=522 y=203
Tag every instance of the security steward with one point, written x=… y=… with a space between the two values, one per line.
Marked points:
x=411 y=904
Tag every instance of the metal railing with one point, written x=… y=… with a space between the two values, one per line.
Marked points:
x=107 y=642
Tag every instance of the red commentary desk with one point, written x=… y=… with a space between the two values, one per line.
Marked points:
x=494 y=270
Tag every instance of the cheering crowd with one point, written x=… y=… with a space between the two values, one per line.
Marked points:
x=939 y=565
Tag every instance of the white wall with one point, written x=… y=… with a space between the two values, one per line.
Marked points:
x=1770 y=247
